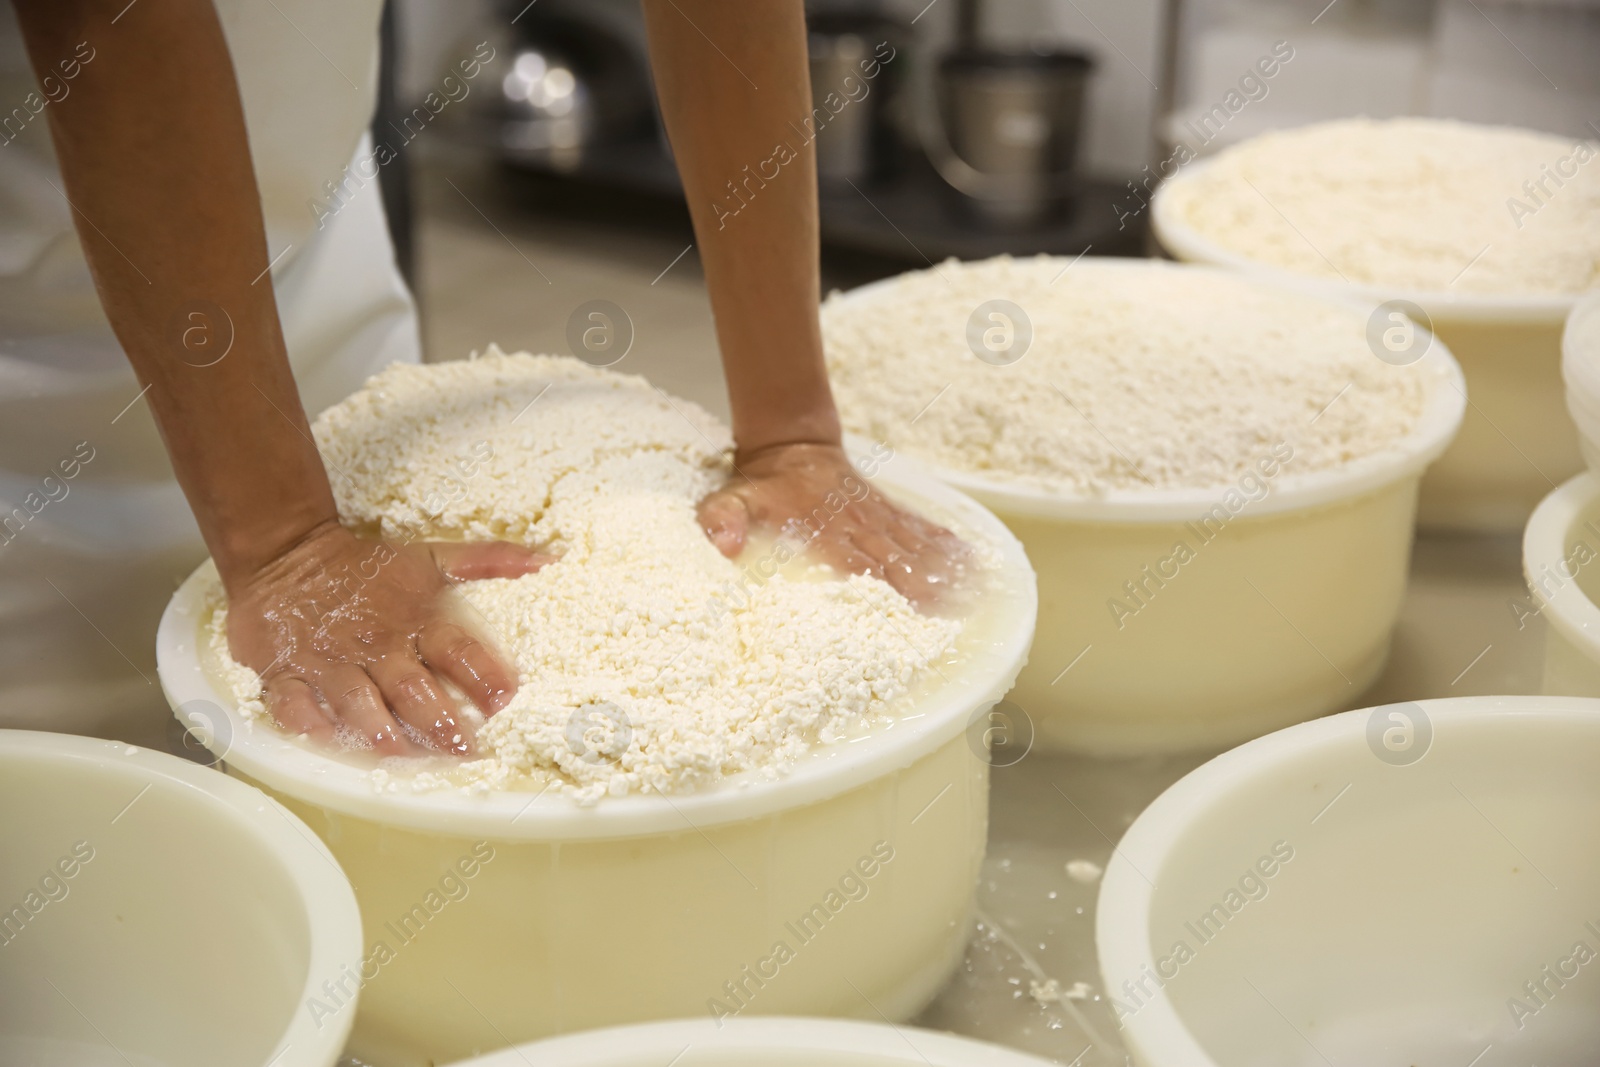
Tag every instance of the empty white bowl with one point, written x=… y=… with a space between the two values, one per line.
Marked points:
x=160 y=914
x=1408 y=884
x=759 y=1042
x=508 y=916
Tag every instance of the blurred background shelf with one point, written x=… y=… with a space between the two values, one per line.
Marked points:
x=912 y=220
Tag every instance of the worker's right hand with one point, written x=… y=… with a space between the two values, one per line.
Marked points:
x=353 y=635
x=796 y=486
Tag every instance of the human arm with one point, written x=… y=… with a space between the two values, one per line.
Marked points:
x=155 y=163
x=734 y=84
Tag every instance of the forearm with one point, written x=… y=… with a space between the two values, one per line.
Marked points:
x=736 y=112
x=156 y=164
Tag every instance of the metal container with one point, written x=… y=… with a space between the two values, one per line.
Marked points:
x=853 y=77
x=570 y=87
x=1011 y=122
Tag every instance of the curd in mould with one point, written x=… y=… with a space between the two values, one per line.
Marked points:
x=1214 y=476
x=647 y=661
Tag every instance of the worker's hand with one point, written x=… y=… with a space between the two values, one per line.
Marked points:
x=357 y=633
x=813 y=490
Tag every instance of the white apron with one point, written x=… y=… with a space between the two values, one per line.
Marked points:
x=94 y=532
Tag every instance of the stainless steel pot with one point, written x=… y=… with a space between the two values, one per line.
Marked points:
x=1011 y=122
x=855 y=67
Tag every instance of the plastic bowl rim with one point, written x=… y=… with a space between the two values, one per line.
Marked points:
x=1186 y=243
x=657 y=1042
x=1544 y=550
x=1156 y=1034
x=1441 y=419
x=333 y=918
x=294 y=769
x=1580 y=368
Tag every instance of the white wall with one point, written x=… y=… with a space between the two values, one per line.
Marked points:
x=1533 y=63
x=1519 y=64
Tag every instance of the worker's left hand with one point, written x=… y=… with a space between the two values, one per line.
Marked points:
x=850 y=526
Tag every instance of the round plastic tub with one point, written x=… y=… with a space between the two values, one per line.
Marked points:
x=759 y=1042
x=1514 y=443
x=1408 y=884
x=159 y=913
x=1561 y=562
x=505 y=917
x=1580 y=369
x=1284 y=611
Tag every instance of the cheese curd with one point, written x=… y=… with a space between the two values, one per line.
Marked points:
x=648 y=662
